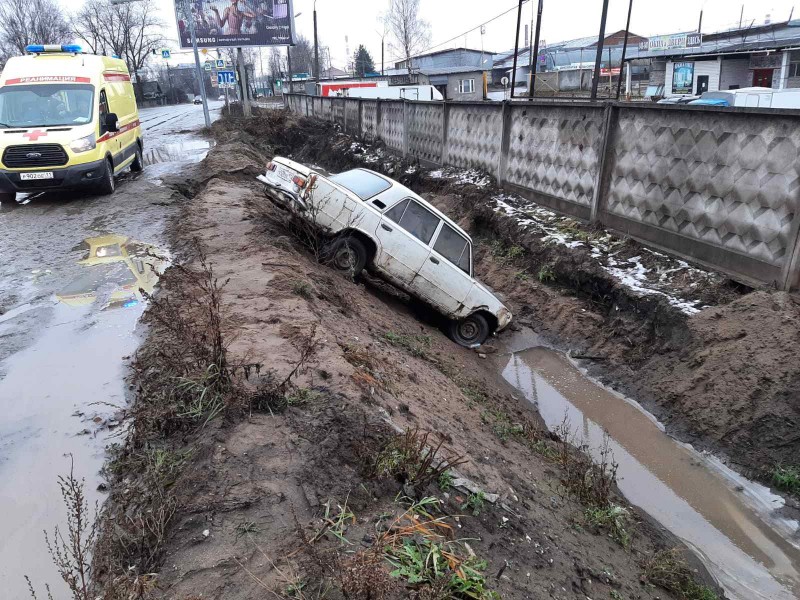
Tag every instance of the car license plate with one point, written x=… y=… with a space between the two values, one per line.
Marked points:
x=284 y=174
x=32 y=176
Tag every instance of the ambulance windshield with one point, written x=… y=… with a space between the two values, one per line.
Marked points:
x=46 y=105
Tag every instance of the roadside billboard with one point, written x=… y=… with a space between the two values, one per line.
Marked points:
x=682 y=78
x=677 y=41
x=235 y=23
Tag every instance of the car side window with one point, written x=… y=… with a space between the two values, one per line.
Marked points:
x=415 y=219
x=454 y=247
x=103 y=110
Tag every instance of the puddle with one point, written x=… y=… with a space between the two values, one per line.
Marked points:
x=59 y=395
x=738 y=535
x=192 y=151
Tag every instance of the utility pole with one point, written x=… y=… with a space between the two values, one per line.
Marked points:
x=516 y=49
x=599 y=58
x=624 y=50
x=741 y=16
x=535 y=53
x=700 y=24
x=198 y=70
x=289 y=65
x=242 y=68
x=316 y=45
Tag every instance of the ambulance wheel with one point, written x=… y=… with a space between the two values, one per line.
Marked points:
x=8 y=200
x=137 y=166
x=107 y=184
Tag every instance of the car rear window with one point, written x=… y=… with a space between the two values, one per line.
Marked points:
x=415 y=219
x=363 y=184
x=454 y=247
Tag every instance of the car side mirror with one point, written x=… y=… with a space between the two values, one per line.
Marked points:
x=112 y=122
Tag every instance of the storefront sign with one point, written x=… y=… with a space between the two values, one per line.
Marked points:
x=678 y=41
x=682 y=78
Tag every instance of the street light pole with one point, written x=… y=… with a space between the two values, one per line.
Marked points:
x=598 y=60
x=198 y=70
x=316 y=45
x=535 y=53
x=624 y=50
x=516 y=48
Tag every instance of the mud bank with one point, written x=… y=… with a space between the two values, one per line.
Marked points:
x=302 y=473
x=713 y=360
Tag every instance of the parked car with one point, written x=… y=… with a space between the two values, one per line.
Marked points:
x=198 y=100
x=373 y=222
x=678 y=100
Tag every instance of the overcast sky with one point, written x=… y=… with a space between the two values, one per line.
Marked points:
x=562 y=20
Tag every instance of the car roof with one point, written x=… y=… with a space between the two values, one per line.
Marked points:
x=404 y=192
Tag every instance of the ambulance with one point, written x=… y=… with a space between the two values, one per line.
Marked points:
x=68 y=121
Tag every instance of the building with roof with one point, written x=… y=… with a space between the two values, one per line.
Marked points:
x=766 y=55
x=457 y=73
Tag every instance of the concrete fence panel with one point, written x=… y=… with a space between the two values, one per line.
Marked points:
x=554 y=154
x=338 y=110
x=720 y=187
x=425 y=131
x=316 y=106
x=326 y=109
x=390 y=129
x=369 y=119
x=474 y=136
x=351 y=116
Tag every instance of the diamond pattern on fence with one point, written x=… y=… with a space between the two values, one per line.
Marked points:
x=317 y=107
x=475 y=136
x=425 y=131
x=391 y=126
x=351 y=115
x=326 y=107
x=556 y=150
x=338 y=110
x=369 y=119
x=729 y=180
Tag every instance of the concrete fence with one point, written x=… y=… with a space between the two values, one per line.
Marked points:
x=717 y=186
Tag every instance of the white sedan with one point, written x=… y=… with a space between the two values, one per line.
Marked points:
x=374 y=222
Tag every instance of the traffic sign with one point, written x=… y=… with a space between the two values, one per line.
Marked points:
x=220 y=63
x=208 y=65
x=165 y=53
x=226 y=77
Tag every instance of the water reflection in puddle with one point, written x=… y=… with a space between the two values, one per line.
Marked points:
x=736 y=533
x=58 y=397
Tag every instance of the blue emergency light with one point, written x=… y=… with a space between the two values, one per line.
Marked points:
x=41 y=48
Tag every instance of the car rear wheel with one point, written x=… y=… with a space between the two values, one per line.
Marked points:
x=470 y=332
x=107 y=184
x=346 y=254
x=137 y=166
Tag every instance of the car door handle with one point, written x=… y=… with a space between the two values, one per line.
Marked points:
x=386 y=227
x=434 y=260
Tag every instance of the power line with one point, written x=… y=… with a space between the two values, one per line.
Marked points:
x=515 y=7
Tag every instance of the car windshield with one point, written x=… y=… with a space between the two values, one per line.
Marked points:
x=45 y=105
x=363 y=184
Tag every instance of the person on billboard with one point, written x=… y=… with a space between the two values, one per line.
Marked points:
x=233 y=18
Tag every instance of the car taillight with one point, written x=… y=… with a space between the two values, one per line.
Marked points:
x=299 y=181
x=271 y=166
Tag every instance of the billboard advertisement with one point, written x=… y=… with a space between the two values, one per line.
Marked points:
x=683 y=78
x=677 y=41
x=235 y=23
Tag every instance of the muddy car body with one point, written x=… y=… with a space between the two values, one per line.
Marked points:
x=373 y=222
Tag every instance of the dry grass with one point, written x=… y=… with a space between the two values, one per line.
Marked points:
x=668 y=569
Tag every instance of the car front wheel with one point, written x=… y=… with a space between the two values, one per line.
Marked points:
x=107 y=184
x=347 y=254
x=470 y=332
x=8 y=200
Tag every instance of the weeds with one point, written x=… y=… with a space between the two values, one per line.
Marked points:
x=475 y=503
x=614 y=519
x=417 y=345
x=302 y=396
x=787 y=479
x=591 y=482
x=203 y=397
x=246 y=528
x=668 y=569
x=166 y=465
x=363 y=576
x=446 y=480
x=546 y=274
x=302 y=289
x=335 y=523
x=506 y=254
x=522 y=276
x=410 y=459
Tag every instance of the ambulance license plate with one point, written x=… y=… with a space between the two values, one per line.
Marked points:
x=34 y=176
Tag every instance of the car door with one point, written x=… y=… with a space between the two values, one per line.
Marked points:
x=445 y=276
x=404 y=234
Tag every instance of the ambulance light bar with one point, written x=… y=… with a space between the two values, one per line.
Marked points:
x=41 y=48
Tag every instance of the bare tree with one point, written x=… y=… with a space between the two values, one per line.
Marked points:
x=25 y=22
x=130 y=30
x=409 y=31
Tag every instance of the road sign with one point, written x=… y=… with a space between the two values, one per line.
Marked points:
x=220 y=63
x=208 y=65
x=165 y=53
x=226 y=77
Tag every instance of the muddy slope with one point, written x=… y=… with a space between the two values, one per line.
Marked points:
x=714 y=361
x=295 y=488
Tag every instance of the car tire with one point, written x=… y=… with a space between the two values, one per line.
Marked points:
x=137 y=166
x=107 y=184
x=346 y=254
x=470 y=332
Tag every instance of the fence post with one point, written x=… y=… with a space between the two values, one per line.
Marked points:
x=790 y=274
x=602 y=178
x=344 y=115
x=405 y=128
x=378 y=117
x=445 y=126
x=360 y=118
x=505 y=143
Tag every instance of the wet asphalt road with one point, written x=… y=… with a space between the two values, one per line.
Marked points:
x=71 y=266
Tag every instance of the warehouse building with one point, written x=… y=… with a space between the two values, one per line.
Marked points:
x=456 y=72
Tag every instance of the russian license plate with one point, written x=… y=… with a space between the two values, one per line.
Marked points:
x=284 y=174
x=33 y=176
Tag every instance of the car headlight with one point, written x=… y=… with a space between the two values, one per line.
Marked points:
x=84 y=144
